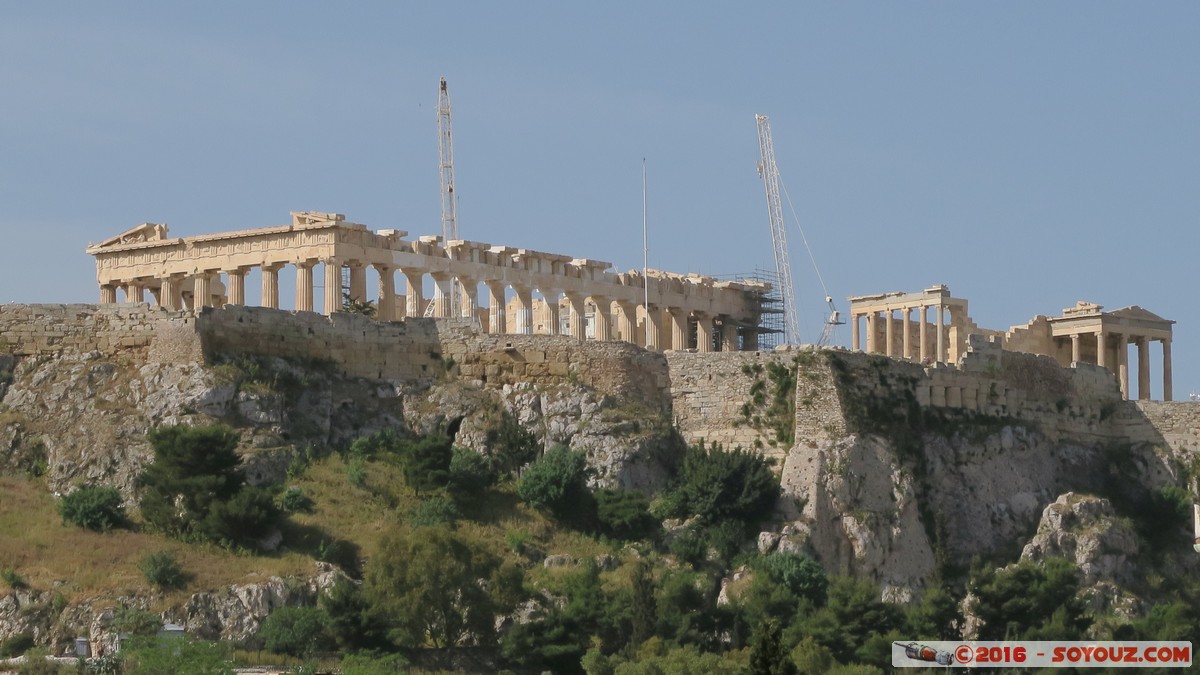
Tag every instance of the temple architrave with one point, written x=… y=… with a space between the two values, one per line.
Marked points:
x=1082 y=334
x=683 y=312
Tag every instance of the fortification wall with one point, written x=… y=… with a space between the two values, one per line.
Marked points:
x=46 y=330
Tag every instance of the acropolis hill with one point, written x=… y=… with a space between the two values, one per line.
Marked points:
x=940 y=436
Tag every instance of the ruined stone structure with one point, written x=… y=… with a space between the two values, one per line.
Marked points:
x=682 y=312
x=1082 y=334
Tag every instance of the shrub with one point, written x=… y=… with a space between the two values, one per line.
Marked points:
x=161 y=569
x=800 y=574
x=434 y=511
x=16 y=645
x=624 y=515
x=13 y=579
x=716 y=484
x=512 y=446
x=294 y=500
x=557 y=483
x=356 y=473
x=470 y=472
x=133 y=621
x=297 y=631
x=244 y=519
x=92 y=507
x=426 y=462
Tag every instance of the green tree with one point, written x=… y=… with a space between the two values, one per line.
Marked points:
x=767 y=654
x=799 y=573
x=1021 y=601
x=511 y=445
x=716 y=484
x=852 y=617
x=194 y=489
x=558 y=483
x=352 y=624
x=470 y=473
x=93 y=507
x=436 y=588
x=297 y=631
x=426 y=462
x=935 y=617
x=623 y=514
x=161 y=569
x=645 y=605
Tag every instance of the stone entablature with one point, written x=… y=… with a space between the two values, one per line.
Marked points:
x=210 y=270
x=1082 y=334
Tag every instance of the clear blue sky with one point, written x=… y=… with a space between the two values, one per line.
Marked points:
x=1027 y=154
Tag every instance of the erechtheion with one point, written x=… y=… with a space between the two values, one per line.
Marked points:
x=1082 y=334
x=682 y=312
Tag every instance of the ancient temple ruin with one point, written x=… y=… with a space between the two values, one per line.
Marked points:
x=1084 y=333
x=657 y=310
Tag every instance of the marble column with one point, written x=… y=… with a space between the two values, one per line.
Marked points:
x=627 y=323
x=304 y=286
x=906 y=341
x=332 y=301
x=469 y=299
x=654 y=323
x=270 y=285
x=443 y=295
x=358 y=281
x=704 y=332
x=750 y=340
x=1143 y=349
x=602 y=318
x=679 y=328
x=108 y=294
x=729 y=334
x=1076 y=348
x=872 y=318
x=941 y=334
x=1101 y=349
x=553 y=312
x=169 y=293
x=1166 y=368
x=414 y=293
x=578 y=316
x=1123 y=364
x=237 y=285
x=133 y=292
x=889 y=340
x=524 y=310
x=497 y=312
x=201 y=290
x=923 y=333
x=386 y=311
x=854 y=338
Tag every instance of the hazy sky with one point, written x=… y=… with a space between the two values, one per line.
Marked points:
x=1027 y=154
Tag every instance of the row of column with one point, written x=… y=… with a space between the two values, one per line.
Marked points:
x=926 y=349
x=1122 y=364
x=453 y=297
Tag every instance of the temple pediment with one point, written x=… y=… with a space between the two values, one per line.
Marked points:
x=135 y=235
x=1137 y=313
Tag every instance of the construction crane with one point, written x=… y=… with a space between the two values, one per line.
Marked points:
x=769 y=172
x=449 y=199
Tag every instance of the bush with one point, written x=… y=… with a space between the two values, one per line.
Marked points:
x=717 y=485
x=434 y=511
x=16 y=645
x=92 y=507
x=294 y=500
x=194 y=489
x=162 y=570
x=426 y=462
x=557 y=483
x=624 y=515
x=512 y=446
x=132 y=621
x=800 y=574
x=356 y=473
x=297 y=631
x=470 y=472
x=13 y=579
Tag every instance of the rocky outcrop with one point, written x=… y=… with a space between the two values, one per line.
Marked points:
x=1086 y=530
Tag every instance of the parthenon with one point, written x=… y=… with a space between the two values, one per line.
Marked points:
x=1082 y=334
x=657 y=310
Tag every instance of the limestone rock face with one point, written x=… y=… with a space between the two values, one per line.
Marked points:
x=1086 y=530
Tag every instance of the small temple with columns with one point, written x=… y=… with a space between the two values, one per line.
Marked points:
x=656 y=310
x=933 y=326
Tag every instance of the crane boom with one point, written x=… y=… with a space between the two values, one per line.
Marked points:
x=769 y=173
x=449 y=199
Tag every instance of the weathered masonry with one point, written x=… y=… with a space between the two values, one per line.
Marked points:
x=682 y=312
x=1082 y=334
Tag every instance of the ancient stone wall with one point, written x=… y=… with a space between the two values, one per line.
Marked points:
x=43 y=330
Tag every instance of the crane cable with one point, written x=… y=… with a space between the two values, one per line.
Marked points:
x=804 y=238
